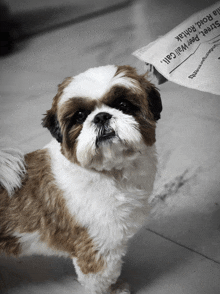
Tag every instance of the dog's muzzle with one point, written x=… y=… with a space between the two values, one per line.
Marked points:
x=105 y=132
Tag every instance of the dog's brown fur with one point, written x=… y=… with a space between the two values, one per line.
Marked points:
x=39 y=207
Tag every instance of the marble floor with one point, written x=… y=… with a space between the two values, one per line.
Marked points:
x=178 y=250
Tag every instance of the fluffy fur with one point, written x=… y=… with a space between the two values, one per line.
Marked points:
x=86 y=193
x=12 y=169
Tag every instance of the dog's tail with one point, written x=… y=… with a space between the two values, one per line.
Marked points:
x=12 y=169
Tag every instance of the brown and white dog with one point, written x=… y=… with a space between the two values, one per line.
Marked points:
x=86 y=193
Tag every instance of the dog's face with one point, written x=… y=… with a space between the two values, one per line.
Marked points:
x=104 y=116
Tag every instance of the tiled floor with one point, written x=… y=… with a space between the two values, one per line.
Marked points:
x=178 y=251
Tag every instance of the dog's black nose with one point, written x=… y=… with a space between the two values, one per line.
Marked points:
x=101 y=118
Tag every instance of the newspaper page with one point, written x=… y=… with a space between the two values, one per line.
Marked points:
x=189 y=55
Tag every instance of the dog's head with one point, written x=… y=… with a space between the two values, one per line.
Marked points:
x=104 y=116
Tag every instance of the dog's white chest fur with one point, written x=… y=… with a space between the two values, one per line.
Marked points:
x=111 y=210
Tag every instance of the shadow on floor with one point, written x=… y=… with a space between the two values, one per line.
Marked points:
x=33 y=270
x=16 y=29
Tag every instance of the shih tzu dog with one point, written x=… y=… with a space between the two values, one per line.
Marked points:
x=86 y=193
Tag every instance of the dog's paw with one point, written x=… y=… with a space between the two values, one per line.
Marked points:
x=120 y=288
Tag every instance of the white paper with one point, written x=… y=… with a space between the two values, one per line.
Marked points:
x=189 y=54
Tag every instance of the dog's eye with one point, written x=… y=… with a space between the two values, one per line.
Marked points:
x=125 y=106
x=80 y=116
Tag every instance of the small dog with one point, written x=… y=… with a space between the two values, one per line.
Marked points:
x=85 y=194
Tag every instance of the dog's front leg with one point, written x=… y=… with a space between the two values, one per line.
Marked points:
x=103 y=281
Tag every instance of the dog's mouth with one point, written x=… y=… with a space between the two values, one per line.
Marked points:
x=105 y=133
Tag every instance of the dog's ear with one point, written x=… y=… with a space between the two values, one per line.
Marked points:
x=153 y=96
x=51 y=122
x=155 y=103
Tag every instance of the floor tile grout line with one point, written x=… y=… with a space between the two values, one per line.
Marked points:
x=184 y=246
